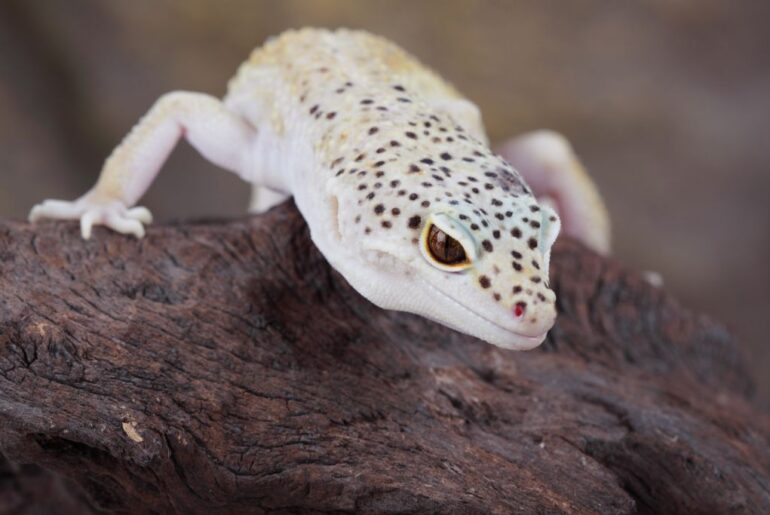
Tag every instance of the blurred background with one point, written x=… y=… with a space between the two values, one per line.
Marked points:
x=667 y=102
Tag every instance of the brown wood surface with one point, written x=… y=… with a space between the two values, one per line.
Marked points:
x=224 y=367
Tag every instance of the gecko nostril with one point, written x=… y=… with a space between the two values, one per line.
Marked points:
x=519 y=309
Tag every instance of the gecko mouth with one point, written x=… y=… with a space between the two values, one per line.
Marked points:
x=492 y=332
x=479 y=327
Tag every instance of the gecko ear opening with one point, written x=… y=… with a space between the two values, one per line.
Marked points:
x=446 y=244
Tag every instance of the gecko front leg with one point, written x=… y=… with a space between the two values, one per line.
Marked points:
x=219 y=135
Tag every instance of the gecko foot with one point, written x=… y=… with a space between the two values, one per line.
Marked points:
x=112 y=214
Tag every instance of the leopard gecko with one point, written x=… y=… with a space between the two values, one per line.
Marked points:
x=391 y=169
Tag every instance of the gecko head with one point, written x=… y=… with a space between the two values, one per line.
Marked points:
x=481 y=271
x=488 y=284
x=431 y=222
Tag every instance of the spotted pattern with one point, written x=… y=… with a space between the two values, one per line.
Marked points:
x=394 y=159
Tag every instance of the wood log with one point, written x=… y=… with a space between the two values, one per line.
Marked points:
x=224 y=367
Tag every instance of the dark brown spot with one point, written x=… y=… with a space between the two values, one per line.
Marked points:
x=516 y=232
x=487 y=245
x=379 y=209
x=414 y=222
x=484 y=281
x=532 y=242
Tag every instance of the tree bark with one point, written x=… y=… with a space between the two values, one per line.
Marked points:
x=226 y=368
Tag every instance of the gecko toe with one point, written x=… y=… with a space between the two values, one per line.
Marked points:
x=87 y=222
x=124 y=225
x=141 y=214
x=56 y=209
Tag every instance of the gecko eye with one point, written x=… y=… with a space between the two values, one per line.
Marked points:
x=445 y=249
x=446 y=244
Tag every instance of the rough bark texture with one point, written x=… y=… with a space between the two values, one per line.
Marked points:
x=224 y=367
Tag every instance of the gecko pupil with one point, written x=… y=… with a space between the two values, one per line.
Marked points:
x=444 y=248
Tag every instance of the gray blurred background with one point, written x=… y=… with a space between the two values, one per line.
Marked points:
x=667 y=102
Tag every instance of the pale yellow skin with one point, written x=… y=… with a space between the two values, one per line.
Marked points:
x=375 y=149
